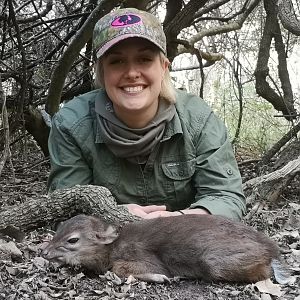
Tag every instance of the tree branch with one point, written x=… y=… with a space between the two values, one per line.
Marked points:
x=65 y=63
x=43 y=13
x=272 y=30
x=6 y=154
x=23 y=78
x=224 y=28
x=276 y=147
x=288 y=16
x=269 y=187
x=63 y=204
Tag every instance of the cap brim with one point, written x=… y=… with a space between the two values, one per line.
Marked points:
x=122 y=37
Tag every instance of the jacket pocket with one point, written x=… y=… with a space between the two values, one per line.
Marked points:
x=179 y=170
x=178 y=178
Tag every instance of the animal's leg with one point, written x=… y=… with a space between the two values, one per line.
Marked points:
x=141 y=270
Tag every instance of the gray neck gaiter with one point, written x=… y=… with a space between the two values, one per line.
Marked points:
x=133 y=144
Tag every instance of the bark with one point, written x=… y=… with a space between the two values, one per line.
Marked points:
x=276 y=147
x=269 y=187
x=288 y=16
x=182 y=19
x=172 y=9
x=77 y=90
x=4 y=124
x=283 y=103
x=231 y=26
x=38 y=15
x=96 y=200
x=63 y=204
x=139 y=4
x=65 y=63
x=35 y=125
x=289 y=152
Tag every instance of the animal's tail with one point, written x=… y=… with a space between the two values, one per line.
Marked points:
x=281 y=272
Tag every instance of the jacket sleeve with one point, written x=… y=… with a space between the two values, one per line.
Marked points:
x=217 y=178
x=68 y=166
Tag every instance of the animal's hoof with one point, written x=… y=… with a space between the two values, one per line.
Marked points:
x=150 y=277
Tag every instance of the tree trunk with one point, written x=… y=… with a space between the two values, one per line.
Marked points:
x=63 y=204
x=276 y=147
x=285 y=102
x=288 y=16
x=36 y=126
x=97 y=200
x=269 y=187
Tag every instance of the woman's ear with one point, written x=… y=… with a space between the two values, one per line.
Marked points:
x=99 y=74
x=166 y=64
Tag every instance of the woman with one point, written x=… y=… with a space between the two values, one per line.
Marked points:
x=159 y=151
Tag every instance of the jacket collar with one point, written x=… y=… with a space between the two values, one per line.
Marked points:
x=172 y=128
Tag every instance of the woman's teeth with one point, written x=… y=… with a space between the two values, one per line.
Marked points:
x=133 y=89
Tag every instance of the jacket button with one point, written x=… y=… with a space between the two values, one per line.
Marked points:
x=229 y=172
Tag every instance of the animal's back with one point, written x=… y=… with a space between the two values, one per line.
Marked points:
x=196 y=246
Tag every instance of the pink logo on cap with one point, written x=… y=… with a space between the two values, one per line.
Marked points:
x=126 y=20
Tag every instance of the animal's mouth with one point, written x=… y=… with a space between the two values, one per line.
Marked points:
x=55 y=259
x=57 y=264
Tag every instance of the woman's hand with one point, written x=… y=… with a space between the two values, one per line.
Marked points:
x=144 y=211
x=156 y=211
x=194 y=211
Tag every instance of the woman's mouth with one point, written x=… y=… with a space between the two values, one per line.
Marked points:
x=133 y=89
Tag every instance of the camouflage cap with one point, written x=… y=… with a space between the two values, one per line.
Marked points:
x=126 y=23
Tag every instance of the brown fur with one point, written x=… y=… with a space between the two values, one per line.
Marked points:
x=192 y=246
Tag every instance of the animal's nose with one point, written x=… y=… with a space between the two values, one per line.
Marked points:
x=44 y=249
x=45 y=253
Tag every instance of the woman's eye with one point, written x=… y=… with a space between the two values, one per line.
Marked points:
x=146 y=59
x=116 y=61
x=73 y=240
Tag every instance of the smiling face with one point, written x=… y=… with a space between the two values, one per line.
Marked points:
x=132 y=75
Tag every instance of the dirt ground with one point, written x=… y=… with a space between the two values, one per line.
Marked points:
x=25 y=275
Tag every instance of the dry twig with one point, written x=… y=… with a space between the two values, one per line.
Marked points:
x=6 y=154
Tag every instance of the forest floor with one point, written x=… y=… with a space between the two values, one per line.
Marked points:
x=25 y=275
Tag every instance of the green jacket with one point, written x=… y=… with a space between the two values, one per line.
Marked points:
x=193 y=167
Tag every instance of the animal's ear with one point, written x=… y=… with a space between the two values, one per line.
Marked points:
x=108 y=236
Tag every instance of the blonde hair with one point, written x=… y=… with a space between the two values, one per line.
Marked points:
x=167 y=91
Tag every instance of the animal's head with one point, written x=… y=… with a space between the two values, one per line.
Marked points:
x=82 y=241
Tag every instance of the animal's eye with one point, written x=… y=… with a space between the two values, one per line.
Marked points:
x=73 y=240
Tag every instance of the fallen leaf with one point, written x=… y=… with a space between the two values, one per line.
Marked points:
x=296 y=252
x=267 y=286
x=12 y=271
x=130 y=279
x=13 y=232
x=98 y=292
x=113 y=278
x=42 y=296
x=120 y=295
x=56 y=295
x=296 y=207
x=10 y=248
x=40 y=262
x=266 y=297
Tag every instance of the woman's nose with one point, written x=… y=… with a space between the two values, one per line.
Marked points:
x=132 y=71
